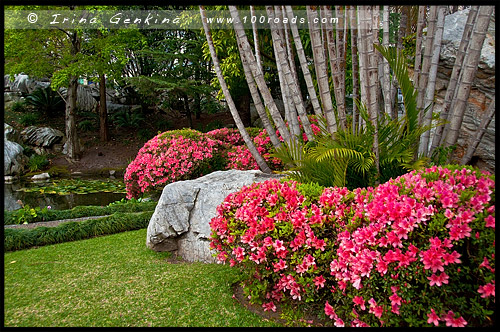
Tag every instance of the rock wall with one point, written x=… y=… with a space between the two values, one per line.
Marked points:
x=482 y=92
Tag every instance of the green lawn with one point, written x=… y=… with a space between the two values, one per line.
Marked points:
x=116 y=281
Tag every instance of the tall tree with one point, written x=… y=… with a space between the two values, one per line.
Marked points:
x=335 y=64
x=431 y=86
x=321 y=69
x=369 y=65
x=355 y=67
x=244 y=46
x=291 y=84
x=232 y=107
x=457 y=67
x=303 y=63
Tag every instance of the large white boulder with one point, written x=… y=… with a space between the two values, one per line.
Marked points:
x=181 y=219
x=13 y=156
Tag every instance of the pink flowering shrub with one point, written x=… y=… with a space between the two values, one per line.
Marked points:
x=186 y=154
x=239 y=157
x=418 y=250
x=169 y=157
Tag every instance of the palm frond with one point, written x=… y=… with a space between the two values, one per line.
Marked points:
x=398 y=64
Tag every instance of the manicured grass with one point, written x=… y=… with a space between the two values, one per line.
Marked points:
x=116 y=280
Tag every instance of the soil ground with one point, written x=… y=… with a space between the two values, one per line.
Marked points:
x=124 y=144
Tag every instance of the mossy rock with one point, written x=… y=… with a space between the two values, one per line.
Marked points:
x=57 y=171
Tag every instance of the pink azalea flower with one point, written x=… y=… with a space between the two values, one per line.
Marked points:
x=490 y=221
x=269 y=306
x=319 y=282
x=395 y=299
x=452 y=321
x=358 y=300
x=438 y=280
x=329 y=311
x=433 y=318
x=487 y=290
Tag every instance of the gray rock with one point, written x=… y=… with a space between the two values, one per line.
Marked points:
x=115 y=108
x=41 y=136
x=181 y=219
x=40 y=177
x=452 y=35
x=9 y=179
x=9 y=133
x=13 y=158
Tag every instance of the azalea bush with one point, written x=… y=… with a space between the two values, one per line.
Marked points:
x=169 y=157
x=187 y=154
x=418 y=250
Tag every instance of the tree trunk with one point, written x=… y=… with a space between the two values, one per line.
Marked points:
x=321 y=69
x=426 y=65
x=239 y=124
x=418 y=47
x=386 y=81
x=431 y=87
x=284 y=33
x=440 y=132
x=485 y=121
x=303 y=64
x=255 y=38
x=244 y=46
x=370 y=67
x=334 y=65
x=341 y=52
x=72 y=142
x=258 y=102
x=290 y=83
x=471 y=62
x=103 y=112
x=355 y=67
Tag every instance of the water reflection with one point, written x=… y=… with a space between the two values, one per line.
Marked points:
x=58 y=202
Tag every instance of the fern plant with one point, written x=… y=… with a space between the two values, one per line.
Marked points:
x=128 y=119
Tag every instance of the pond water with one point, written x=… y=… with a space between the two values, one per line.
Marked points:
x=12 y=194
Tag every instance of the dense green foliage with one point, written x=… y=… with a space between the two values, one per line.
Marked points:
x=16 y=239
x=40 y=215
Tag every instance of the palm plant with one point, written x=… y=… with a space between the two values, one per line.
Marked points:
x=347 y=159
x=45 y=100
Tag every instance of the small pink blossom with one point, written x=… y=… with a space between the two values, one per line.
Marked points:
x=487 y=290
x=269 y=306
x=452 y=321
x=433 y=318
x=358 y=300
x=438 y=280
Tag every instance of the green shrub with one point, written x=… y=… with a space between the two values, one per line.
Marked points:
x=46 y=100
x=37 y=162
x=127 y=119
x=86 y=125
x=29 y=119
x=17 y=239
x=12 y=217
x=18 y=107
